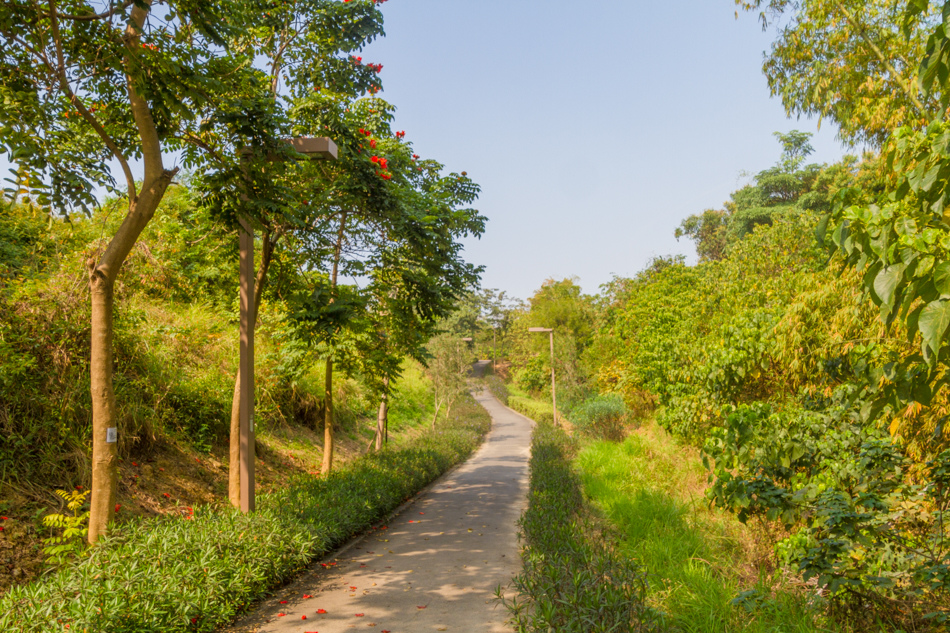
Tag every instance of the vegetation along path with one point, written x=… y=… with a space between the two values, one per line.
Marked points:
x=434 y=566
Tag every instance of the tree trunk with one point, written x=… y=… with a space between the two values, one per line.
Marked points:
x=102 y=276
x=104 y=434
x=328 y=420
x=269 y=240
x=234 y=449
x=328 y=388
x=382 y=419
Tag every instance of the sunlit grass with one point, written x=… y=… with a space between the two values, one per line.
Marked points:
x=698 y=559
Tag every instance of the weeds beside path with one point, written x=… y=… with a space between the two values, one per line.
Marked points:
x=697 y=559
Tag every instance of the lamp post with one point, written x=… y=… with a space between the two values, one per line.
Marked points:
x=494 y=350
x=550 y=331
x=312 y=147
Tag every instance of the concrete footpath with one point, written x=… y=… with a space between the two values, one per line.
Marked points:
x=433 y=567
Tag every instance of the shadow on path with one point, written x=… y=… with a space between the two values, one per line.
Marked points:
x=433 y=567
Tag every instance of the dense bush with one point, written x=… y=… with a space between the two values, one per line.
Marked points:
x=864 y=521
x=572 y=581
x=601 y=417
x=498 y=388
x=529 y=407
x=175 y=341
x=819 y=420
x=195 y=573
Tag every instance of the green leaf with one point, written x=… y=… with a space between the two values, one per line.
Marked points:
x=933 y=323
x=942 y=278
x=886 y=282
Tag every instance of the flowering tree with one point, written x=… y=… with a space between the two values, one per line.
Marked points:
x=392 y=219
x=131 y=82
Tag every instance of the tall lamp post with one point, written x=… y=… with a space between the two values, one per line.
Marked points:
x=494 y=350
x=550 y=331
x=312 y=147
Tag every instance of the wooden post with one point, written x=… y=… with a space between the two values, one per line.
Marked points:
x=553 y=392
x=494 y=350
x=318 y=147
x=246 y=244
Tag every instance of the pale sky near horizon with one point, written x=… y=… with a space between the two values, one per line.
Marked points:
x=594 y=128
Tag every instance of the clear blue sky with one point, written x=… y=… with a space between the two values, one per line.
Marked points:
x=594 y=127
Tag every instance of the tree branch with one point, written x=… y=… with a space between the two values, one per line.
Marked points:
x=151 y=144
x=60 y=71
x=94 y=16
x=862 y=32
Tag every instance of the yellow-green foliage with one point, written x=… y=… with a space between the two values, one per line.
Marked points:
x=75 y=526
x=175 y=341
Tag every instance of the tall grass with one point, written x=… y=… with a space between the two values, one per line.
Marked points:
x=572 y=581
x=698 y=559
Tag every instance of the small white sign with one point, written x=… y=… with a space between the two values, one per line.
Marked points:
x=251 y=424
x=112 y=435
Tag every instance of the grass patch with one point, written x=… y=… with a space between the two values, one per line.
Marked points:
x=194 y=574
x=497 y=387
x=537 y=410
x=572 y=580
x=698 y=558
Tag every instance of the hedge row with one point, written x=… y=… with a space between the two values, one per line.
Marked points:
x=195 y=574
x=537 y=411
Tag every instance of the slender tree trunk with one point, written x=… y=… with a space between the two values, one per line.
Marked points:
x=269 y=240
x=102 y=276
x=382 y=419
x=328 y=388
x=104 y=434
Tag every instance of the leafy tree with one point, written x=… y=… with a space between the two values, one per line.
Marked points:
x=560 y=305
x=394 y=219
x=85 y=86
x=853 y=61
x=778 y=190
x=448 y=367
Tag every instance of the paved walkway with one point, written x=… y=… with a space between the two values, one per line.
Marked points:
x=433 y=567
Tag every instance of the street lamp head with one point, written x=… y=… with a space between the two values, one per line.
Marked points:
x=467 y=339
x=315 y=146
x=540 y=329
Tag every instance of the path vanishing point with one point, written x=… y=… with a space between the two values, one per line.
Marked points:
x=435 y=565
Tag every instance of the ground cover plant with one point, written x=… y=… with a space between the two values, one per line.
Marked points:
x=572 y=579
x=208 y=565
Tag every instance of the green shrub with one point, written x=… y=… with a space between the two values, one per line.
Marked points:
x=196 y=572
x=537 y=411
x=497 y=387
x=602 y=417
x=572 y=581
